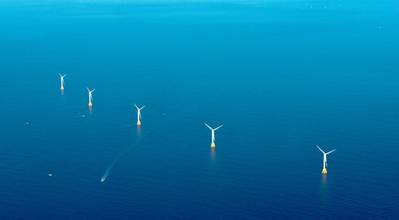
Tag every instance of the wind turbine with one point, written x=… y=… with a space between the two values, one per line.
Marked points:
x=213 y=145
x=139 y=114
x=62 y=80
x=324 y=171
x=90 y=96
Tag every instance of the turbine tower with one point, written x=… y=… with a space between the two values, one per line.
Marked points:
x=62 y=80
x=139 y=114
x=324 y=171
x=213 y=145
x=90 y=96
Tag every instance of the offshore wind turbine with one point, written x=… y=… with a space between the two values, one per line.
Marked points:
x=139 y=114
x=213 y=145
x=324 y=170
x=62 y=80
x=90 y=96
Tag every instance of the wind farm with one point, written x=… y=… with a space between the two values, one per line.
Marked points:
x=199 y=109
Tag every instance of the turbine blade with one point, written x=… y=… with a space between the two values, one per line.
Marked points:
x=208 y=126
x=329 y=152
x=320 y=149
x=218 y=127
x=142 y=107
x=136 y=107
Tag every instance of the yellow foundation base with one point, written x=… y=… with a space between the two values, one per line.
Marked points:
x=62 y=88
x=324 y=171
x=213 y=145
x=90 y=105
x=138 y=123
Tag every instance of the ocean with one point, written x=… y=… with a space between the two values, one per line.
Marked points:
x=280 y=76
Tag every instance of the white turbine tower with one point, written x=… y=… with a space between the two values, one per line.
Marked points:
x=139 y=114
x=90 y=96
x=324 y=171
x=213 y=145
x=62 y=80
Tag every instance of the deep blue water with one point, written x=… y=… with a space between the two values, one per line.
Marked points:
x=282 y=76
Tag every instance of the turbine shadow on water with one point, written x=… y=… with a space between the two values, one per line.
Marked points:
x=324 y=180
x=212 y=154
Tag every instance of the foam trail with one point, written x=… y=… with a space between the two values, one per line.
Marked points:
x=122 y=153
x=108 y=170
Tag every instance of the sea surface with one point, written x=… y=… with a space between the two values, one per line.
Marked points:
x=281 y=76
